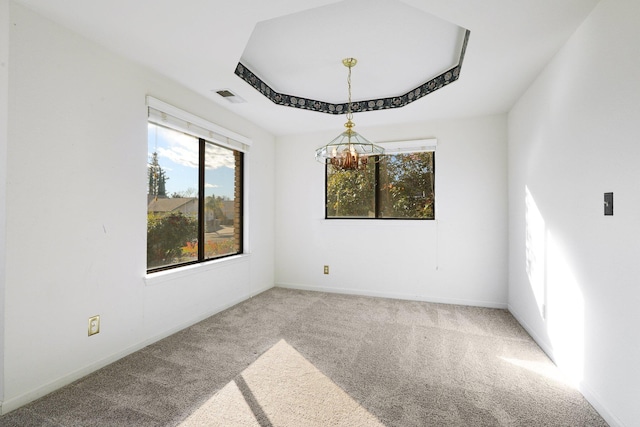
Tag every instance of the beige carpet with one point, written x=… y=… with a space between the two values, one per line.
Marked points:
x=289 y=358
x=281 y=388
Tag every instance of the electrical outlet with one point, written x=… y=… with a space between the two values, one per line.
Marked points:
x=94 y=325
x=326 y=269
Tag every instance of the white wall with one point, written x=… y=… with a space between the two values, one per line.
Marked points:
x=461 y=258
x=4 y=111
x=76 y=212
x=573 y=136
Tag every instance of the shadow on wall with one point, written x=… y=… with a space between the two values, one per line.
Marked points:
x=558 y=295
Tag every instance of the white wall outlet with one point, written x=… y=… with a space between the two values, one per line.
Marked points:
x=326 y=269
x=94 y=325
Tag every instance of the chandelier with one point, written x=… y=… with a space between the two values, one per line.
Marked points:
x=349 y=150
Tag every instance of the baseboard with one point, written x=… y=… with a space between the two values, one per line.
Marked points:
x=583 y=387
x=393 y=295
x=595 y=401
x=16 y=402
x=543 y=344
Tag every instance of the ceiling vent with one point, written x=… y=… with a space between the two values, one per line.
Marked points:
x=230 y=96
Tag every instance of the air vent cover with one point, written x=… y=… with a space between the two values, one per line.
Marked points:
x=230 y=96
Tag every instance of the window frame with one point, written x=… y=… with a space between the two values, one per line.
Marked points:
x=168 y=116
x=391 y=148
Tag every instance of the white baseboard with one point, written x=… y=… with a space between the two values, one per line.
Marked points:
x=393 y=295
x=583 y=387
x=18 y=401
x=542 y=343
x=595 y=401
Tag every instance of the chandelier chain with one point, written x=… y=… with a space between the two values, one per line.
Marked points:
x=349 y=151
x=349 y=111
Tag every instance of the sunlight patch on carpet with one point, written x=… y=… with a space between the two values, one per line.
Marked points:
x=281 y=388
x=545 y=369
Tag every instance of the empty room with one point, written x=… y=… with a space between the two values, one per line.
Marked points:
x=329 y=212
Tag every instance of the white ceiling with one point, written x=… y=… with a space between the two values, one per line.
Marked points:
x=198 y=43
x=398 y=48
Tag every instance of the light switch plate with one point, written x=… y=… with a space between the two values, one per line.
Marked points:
x=608 y=203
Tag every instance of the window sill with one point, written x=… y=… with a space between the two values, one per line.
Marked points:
x=152 y=279
x=367 y=222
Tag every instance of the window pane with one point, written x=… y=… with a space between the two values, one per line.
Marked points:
x=406 y=186
x=351 y=193
x=223 y=199
x=172 y=197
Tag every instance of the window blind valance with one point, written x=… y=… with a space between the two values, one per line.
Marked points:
x=164 y=114
x=412 y=146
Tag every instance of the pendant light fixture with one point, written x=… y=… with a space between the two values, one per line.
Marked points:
x=349 y=150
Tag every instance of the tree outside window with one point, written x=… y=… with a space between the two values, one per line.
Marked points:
x=396 y=186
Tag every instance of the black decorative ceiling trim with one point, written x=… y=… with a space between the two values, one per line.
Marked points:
x=432 y=85
x=464 y=47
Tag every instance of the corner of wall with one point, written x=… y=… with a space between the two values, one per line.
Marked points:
x=4 y=107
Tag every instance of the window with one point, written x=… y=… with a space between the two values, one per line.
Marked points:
x=195 y=189
x=399 y=185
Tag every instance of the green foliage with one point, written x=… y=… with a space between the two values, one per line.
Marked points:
x=350 y=193
x=405 y=190
x=213 y=205
x=157 y=178
x=167 y=235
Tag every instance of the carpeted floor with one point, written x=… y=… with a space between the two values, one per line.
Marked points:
x=295 y=358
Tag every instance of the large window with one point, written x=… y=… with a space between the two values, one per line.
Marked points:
x=195 y=191
x=398 y=185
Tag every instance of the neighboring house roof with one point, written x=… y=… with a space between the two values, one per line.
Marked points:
x=170 y=204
